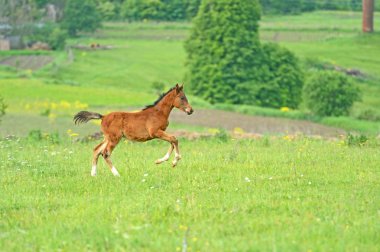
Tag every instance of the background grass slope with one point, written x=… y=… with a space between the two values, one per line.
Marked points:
x=143 y=53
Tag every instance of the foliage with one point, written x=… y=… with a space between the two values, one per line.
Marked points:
x=283 y=7
x=134 y=10
x=37 y=136
x=282 y=85
x=369 y=115
x=227 y=63
x=222 y=135
x=329 y=93
x=169 y=10
x=49 y=33
x=223 y=49
x=297 y=6
x=355 y=140
x=80 y=16
x=107 y=10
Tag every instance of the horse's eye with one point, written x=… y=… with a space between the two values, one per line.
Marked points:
x=182 y=98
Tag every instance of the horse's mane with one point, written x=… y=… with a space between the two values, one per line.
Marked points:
x=159 y=99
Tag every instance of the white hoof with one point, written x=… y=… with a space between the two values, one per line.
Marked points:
x=176 y=159
x=115 y=172
x=93 y=171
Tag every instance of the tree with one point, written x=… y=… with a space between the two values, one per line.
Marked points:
x=227 y=63
x=223 y=48
x=80 y=16
x=134 y=10
x=107 y=10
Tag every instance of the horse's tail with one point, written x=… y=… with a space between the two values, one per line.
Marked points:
x=85 y=116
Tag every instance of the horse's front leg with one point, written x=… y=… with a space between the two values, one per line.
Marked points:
x=174 y=145
x=167 y=155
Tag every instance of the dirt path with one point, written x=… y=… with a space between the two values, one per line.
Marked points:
x=253 y=124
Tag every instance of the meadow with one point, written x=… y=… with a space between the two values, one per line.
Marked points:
x=272 y=193
x=279 y=192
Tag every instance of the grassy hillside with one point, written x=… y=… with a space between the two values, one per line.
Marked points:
x=143 y=53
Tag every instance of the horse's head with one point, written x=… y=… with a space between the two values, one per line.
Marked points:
x=181 y=102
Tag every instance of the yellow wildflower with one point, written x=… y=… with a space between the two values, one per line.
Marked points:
x=284 y=109
x=65 y=104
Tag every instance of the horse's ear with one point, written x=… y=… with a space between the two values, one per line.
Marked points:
x=181 y=87
x=177 y=88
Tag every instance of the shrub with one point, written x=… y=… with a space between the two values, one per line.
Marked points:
x=222 y=135
x=356 y=140
x=329 y=93
x=37 y=136
x=368 y=115
x=3 y=107
x=49 y=33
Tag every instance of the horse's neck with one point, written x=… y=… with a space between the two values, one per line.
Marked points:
x=165 y=106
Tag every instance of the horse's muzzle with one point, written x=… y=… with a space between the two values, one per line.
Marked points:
x=189 y=111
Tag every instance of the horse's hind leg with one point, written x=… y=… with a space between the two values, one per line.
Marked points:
x=167 y=155
x=97 y=151
x=107 y=156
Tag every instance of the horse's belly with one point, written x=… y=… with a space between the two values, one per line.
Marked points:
x=139 y=135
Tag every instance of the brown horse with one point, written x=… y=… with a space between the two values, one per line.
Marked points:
x=147 y=124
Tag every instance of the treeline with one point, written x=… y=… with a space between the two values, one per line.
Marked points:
x=170 y=10
x=299 y=6
x=174 y=10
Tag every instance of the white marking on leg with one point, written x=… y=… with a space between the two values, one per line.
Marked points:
x=93 y=171
x=115 y=172
x=163 y=159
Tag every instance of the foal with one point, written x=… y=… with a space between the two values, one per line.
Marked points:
x=147 y=124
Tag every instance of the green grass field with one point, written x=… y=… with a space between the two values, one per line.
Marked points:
x=277 y=194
